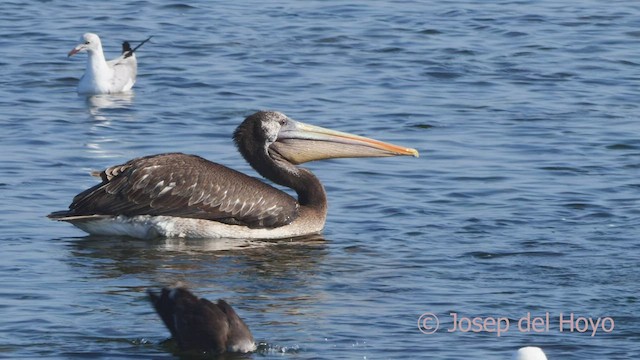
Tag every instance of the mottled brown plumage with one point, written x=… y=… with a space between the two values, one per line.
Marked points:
x=185 y=186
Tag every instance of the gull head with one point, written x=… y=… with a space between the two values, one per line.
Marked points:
x=88 y=42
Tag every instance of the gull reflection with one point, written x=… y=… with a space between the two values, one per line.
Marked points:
x=98 y=104
x=106 y=110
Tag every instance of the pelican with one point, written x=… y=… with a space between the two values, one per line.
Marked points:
x=102 y=76
x=178 y=195
x=197 y=324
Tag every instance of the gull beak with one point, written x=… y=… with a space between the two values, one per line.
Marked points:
x=74 y=51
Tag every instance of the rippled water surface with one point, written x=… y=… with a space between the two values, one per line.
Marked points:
x=525 y=198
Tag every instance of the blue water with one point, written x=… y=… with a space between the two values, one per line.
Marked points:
x=525 y=198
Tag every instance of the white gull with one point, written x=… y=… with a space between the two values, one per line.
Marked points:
x=102 y=76
x=529 y=353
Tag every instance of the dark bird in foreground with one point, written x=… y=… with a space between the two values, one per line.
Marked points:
x=197 y=324
x=178 y=195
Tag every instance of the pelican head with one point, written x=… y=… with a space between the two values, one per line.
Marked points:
x=281 y=137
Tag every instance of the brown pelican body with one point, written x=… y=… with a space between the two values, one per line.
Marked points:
x=197 y=324
x=178 y=195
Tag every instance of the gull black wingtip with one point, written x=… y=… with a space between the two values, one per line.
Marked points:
x=126 y=47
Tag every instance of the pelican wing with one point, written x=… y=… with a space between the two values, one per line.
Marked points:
x=185 y=186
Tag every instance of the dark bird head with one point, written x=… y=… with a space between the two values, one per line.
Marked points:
x=272 y=134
